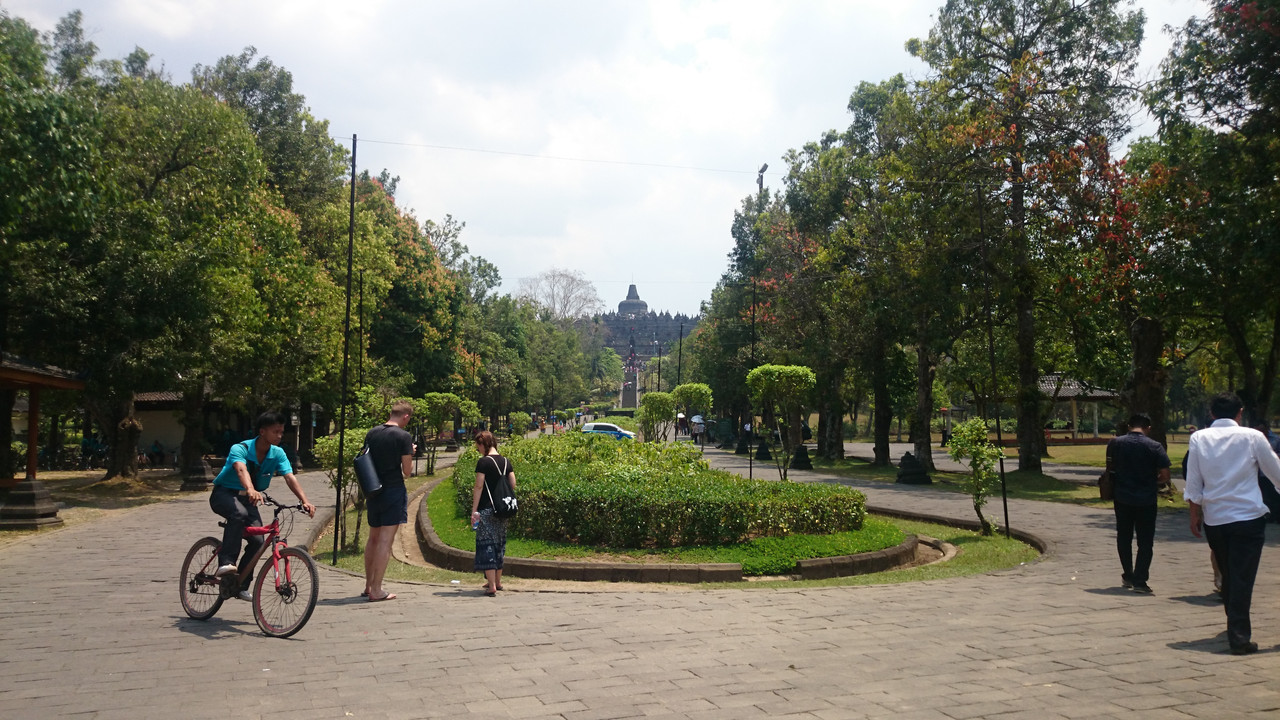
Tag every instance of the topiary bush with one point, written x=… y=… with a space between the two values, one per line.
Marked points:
x=594 y=490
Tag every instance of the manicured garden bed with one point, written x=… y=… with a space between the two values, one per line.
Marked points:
x=595 y=497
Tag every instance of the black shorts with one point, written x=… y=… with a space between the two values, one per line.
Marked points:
x=389 y=507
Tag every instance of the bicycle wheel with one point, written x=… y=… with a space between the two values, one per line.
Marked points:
x=197 y=586
x=282 y=605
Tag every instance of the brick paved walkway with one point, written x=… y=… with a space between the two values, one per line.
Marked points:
x=90 y=626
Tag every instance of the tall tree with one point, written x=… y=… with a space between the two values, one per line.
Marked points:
x=1218 y=99
x=566 y=294
x=163 y=262
x=303 y=163
x=49 y=157
x=1047 y=74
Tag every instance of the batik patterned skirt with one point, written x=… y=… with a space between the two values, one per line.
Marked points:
x=491 y=541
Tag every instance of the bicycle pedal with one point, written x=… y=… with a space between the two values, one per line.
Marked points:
x=229 y=586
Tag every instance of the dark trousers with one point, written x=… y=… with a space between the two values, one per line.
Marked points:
x=1139 y=520
x=235 y=507
x=1238 y=547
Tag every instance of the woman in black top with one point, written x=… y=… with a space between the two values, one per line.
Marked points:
x=491 y=531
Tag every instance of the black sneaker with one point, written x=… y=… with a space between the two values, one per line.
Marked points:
x=1126 y=582
x=1248 y=648
x=1141 y=588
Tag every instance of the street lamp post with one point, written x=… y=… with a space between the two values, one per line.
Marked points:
x=658 y=345
x=680 y=355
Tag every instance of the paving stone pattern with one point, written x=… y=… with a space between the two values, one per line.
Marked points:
x=91 y=627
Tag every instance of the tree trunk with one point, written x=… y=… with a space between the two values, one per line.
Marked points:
x=834 y=429
x=54 y=444
x=853 y=416
x=920 y=421
x=830 y=440
x=7 y=400
x=1267 y=384
x=306 y=432
x=1147 y=384
x=192 y=452
x=1030 y=436
x=1249 y=394
x=122 y=432
x=883 y=416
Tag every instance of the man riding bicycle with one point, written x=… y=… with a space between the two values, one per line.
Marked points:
x=237 y=492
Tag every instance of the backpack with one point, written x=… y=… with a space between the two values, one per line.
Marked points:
x=506 y=504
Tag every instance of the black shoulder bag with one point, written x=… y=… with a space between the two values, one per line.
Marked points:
x=366 y=473
x=506 y=505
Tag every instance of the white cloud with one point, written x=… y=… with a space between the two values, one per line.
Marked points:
x=724 y=84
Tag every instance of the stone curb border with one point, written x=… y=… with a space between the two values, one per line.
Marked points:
x=437 y=553
x=860 y=564
x=1044 y=547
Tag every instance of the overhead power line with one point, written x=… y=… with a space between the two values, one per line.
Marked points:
x=560 y=158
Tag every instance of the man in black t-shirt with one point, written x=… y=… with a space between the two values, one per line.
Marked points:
x=391 y=448
x=1141 y=467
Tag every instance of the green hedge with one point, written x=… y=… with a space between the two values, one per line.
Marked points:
x=595 y=490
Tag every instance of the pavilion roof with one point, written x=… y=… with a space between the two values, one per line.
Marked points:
x=1060 y=387
x=20 y=374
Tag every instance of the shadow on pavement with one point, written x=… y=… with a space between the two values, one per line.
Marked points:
x=460 y=593
x=215 y=627
x=1216 y=645
x=356 y=600
x=1111 y=591
x=1210 y=600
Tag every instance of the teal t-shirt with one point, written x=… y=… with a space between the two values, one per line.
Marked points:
x=275 y=463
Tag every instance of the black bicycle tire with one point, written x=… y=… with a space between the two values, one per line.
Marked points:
x=184 y=578
x=265 y=593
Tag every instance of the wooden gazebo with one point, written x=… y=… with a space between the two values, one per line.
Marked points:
x=1060 y=388
x=28 y=505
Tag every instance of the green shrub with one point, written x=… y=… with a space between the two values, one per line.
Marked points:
x=761 y=556
x=626 y=422
x=594 y=490
x=969 y=442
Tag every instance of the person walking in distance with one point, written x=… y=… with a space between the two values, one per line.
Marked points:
x=391 y=448
x=1222 y=490
x=1141 y=468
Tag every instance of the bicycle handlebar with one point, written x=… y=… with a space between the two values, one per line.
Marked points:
x=272 y=501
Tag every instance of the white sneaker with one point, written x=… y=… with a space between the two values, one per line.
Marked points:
x=245 y=595
x=224 y=569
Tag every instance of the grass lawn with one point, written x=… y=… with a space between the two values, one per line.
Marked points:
x=351 y=556
x=1096 y=455
x=1092 y=455
x=976 y=555
x=1022 y=485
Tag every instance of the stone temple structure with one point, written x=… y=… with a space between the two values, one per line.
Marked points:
x=635 y=332
x=633 y=305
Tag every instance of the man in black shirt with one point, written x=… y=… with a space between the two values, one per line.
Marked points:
x=1141 y=467
x=391 y=448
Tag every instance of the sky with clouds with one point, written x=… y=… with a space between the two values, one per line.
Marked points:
x=608 y=137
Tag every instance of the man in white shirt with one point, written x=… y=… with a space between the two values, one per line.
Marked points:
x=1222 y=490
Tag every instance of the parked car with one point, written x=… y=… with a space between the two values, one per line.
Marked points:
x=608 y=429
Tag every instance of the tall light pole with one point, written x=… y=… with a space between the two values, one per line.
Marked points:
x=751 y=455
x=680 y=355
x=346 y=355
x=658 y=346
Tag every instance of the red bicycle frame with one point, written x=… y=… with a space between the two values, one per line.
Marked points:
x=271 y=529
